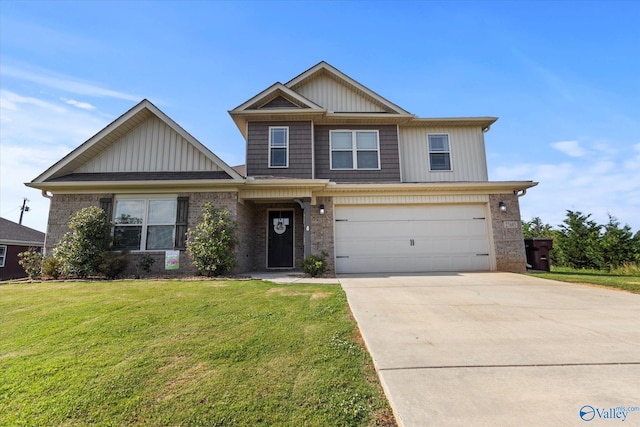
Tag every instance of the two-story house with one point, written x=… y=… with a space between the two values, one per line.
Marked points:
x=330 y=166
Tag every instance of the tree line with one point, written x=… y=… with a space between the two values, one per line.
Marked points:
x=580 y=242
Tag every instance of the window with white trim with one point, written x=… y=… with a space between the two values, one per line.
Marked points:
x=354 y=149
x=145 y=223
x=3 y=255
x=278 y=147
x=439 y=154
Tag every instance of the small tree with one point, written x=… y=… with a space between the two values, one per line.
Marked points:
x=80 y=250
x=535 y=228
x=618 y=245
x=31 y=261
x=211 y=245
x=579 y=242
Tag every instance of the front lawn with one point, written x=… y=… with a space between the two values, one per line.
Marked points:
x=628 y=281
x=210 y=353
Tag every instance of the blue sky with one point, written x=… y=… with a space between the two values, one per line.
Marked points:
x=562 y=76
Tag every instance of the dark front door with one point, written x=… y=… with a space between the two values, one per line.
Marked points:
x=280 y=239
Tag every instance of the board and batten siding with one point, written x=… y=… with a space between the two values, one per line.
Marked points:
x=389 y=160
x=150 y=147
x=337 y=97
x=466 y=145
x=300 y=151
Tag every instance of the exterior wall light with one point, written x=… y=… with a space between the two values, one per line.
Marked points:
x=321 y=209
x=502 y=206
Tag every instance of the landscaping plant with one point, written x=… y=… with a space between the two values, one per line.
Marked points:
x=211 y=245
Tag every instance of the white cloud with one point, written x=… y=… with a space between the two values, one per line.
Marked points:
x=599 y=188
x=64 y=83
x=570 y=148
x=36 y=133
x=79 y=104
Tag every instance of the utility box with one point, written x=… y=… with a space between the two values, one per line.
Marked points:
x=537 y=250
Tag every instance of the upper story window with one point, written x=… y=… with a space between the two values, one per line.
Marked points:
x=278 y=147
x=3 y=255
x=355 y=149
x=439 y=154
x=145 y=223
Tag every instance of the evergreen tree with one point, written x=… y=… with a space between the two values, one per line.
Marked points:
x=579 y=242
x=617 y=244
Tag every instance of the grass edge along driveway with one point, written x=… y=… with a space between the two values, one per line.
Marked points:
x=211 y=353
x=627 y=282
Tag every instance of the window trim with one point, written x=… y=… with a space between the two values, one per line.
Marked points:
x=354 y=149
x=146 y=198
x=286 y=147
x=3 y=257
x=448 y=152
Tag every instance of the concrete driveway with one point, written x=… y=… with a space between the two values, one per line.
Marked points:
x=500 y=349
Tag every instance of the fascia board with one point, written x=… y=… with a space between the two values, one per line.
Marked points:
x=20 y=242
x=140 y=186
x=500 y=187
x=485 y=122
x=271 y=89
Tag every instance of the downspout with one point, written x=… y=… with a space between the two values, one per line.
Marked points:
x=520 y=193
x=44 y=194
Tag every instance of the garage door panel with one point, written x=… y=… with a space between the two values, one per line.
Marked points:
x=411 y=238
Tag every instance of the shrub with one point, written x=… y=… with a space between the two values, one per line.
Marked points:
x=79 y=251
x=112 y=264
x=211 y=245
x=144 y=264
x=315 y=265
x=31 y=261
x=51 y=268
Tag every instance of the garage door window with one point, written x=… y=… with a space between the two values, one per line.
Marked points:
x=355 y=149
x=439 y=154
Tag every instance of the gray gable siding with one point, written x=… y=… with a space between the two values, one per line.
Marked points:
x=389 y=157
x=299 y=150
x=280 y=102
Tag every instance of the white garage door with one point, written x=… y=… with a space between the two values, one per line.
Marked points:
x=381 y=239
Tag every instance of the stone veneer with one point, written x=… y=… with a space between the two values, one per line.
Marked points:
x=507 y=233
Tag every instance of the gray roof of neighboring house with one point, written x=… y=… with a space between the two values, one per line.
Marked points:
x=12 y=233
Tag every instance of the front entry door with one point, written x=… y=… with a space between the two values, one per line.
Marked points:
x=280 y=239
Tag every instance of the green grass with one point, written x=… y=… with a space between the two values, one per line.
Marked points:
x=188 y=353
x=627 y=279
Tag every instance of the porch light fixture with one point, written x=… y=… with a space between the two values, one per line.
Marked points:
x=502 y=206
x=321 y=209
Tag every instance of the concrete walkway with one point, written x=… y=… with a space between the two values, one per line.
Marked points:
x=293 y=277
x=500 y=349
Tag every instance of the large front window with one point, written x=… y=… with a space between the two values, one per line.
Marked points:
x=354 y=149
x=145 y=224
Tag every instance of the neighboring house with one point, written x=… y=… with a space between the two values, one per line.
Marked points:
x=16 y=238
x=330 y=166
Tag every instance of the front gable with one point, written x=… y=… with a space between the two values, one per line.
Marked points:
x=143 y=140
x=338 y=93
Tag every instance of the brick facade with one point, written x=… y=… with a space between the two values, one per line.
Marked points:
x=62 y=208
x=507 y=233
x=322 y=231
